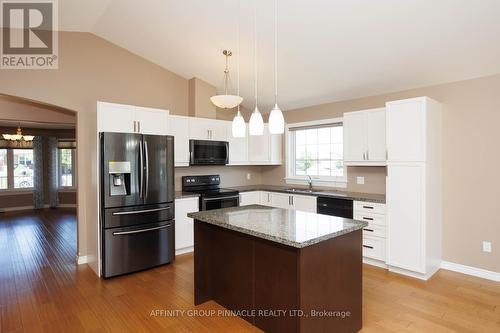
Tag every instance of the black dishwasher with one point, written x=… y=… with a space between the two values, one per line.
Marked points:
x=335 y=206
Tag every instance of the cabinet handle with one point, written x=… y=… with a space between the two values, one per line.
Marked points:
x=368 y=218
x=134 y=126
x=139 y=126
x=368 y=155
x=368 y=207
x=364 y=156
x=386 y=154
x=370 y=230
x=368 y=246
x=269 y=197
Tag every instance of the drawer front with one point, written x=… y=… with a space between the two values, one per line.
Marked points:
x=369 y=207
x=370 y=218
x=374 y=230
x=374 y=248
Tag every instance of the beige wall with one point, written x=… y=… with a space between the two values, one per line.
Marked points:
x=230 y=175
x=19 y=109
x=471 y=184
x=199 y=99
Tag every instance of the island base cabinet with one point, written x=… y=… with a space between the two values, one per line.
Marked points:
x=281 y=288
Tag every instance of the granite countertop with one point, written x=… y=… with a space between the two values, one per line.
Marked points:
x=285 y=226
x=182 y=195
x=370 y=197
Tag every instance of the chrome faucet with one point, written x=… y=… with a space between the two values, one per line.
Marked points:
x=310 y=181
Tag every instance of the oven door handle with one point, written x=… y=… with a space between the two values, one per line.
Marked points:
x=140 y=230
x=221 y=198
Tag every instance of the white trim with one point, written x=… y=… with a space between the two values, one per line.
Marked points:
x=80 y=260
x=469 y=270
x=374 y=262
x=184 y=250
x=413 y=274
x=315 y=122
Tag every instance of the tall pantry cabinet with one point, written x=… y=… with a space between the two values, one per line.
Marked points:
x=413 y=186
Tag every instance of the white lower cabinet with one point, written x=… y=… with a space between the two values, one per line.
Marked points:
x=249 y=198
x=184 y=226
x=374 y=235
x=266 y=198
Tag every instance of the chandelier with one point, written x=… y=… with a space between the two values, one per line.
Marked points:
x=18 y=136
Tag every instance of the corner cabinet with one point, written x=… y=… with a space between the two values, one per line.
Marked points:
x=121 y=118
x=365 y=137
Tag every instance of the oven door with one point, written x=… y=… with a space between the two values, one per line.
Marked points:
x=205 y=152
x=219 y=202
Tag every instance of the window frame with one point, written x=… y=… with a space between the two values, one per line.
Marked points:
x=10 y=176
x=291 y=177
x=73 y=167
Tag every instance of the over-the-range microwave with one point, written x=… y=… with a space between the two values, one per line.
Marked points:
x=207 y=152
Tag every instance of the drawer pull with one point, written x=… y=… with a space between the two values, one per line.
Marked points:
x=370 y=230
x=368 y=207
x=368 y=218
x=368 y=246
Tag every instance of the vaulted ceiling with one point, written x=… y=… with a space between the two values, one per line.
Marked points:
x=329 y=50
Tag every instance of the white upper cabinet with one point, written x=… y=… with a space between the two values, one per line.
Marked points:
x=405 y=122
x=264 y=149
x=122 y=118
x=238 y=147
x=207 y=129
x=178 y=126
x=364 y=137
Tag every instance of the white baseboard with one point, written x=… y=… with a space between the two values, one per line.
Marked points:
x=374 y=262
x=184 y=250
x=15 y=209
x=469 y=270
x=80 y=260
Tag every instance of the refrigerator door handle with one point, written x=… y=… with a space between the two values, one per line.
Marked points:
x=146 y=155
x=131 y=212
x=140 y=230
x=141 y=171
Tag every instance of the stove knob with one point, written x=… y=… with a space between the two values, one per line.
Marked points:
x=188 y=180
x=193 y=180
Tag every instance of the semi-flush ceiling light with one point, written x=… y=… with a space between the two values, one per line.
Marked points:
x=226 y=101
x=18 y=136
x=238 y=126
x=276 y=120
x=256 y=125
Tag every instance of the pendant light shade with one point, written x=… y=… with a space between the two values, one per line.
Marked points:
x=238 y=126
x=276 y=121
x=226 y=101
x=256 y=123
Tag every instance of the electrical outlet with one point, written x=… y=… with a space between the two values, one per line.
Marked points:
x=486 y=246
x=360 y=180
x=249 y=176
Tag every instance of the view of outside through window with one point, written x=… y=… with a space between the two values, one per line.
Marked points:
x=3 y=169
x=23 y=168
x=66 y=167
x=319 y=152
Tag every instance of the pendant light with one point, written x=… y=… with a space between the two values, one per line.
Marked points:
x=18 y=136
x=226 y=101
x=276 y=120
x=256 y=122
x=238 y=126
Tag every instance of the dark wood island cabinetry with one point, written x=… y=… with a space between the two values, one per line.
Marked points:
x=281 y=270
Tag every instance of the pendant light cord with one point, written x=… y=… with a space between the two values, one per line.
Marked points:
x=255 y=51
x=276 y=51
x=238 y=50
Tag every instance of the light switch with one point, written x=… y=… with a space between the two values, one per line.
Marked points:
x=249 y=176
x=487 y=246
x=360 y=180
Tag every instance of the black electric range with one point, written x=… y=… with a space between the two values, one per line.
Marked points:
x=212 y=196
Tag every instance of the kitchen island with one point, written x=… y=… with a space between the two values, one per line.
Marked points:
x=282 y=270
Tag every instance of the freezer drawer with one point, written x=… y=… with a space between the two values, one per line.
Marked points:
x=131 y=249
x=130 y=216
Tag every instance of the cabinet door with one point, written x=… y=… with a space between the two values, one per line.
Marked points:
x=249 y=198
x=179 y=127
x=266 y=198
x=276 y=143
x=355 y=136
x=259 y=147
x=405 y=126
x=199 y=128
x=375 y=132
x=280 y=200
x=218 y=129
x=405 y=219
x=152 y=121
x=238 y=147
x=304 y=203
x=184 y=226
x=115 y=118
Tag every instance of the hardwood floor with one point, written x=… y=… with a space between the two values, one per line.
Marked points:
x=42 y=290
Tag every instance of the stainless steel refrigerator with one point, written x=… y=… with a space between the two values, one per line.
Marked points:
x=137 y=202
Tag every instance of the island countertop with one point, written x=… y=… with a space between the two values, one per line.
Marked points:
x=294 y=228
